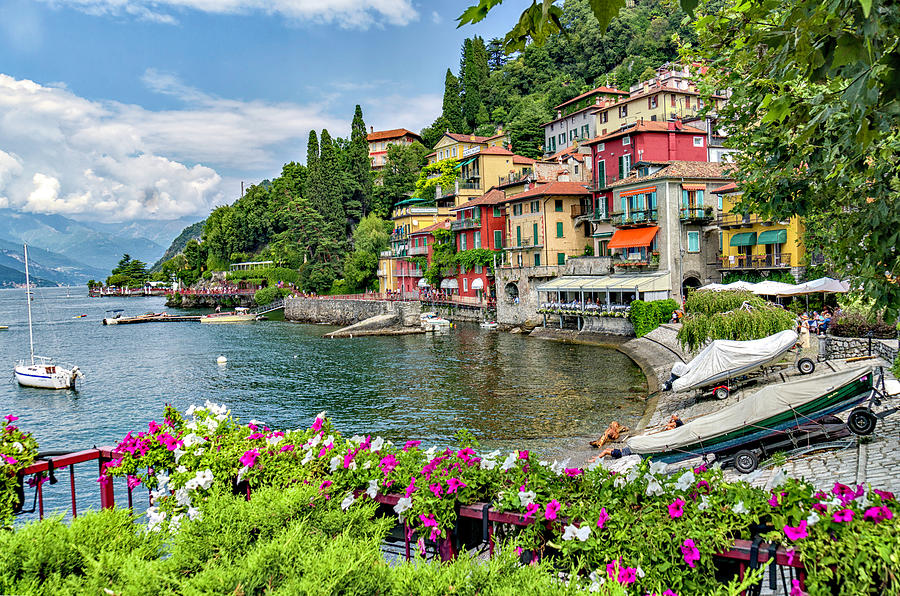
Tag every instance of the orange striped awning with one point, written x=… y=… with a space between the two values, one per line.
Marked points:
x=633 y=238
x=693 y=186
x=637 y=191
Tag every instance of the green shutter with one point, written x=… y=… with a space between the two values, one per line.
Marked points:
x=559 y=229
x=699 y=198
x=560 y=258
x=496 y=211
x=693 y=241
x=498 y=239
x=537 y=259
x=518 y=235
x=534 y=230
x=684 y=199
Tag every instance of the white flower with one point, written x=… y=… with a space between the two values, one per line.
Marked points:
x=510 y=461
x=181 y=469
x=155 y=519
x=357 y=439
x=813 y=518
x=654 y=487
x=526 y=498
x=740 y=509
x=685 y=481
x=704 y=503
x=329 y=440
x=163 y=482
x=193 y=513
x=431 y=451
x=321 y=416
x=176 y=521
x=620 y=481
x=212 y=424
x=639 y=572
x=658 y=467
x=779 y=477
x=402 y=505
x=315 y=441
x=306 y=458
x=199 y=451
x=216 y=408
x=243 y=471
x=558 y=467
x=335 y=463
x=204 y=479
x=192 y=425
x=183 y=497
x=190 y=411
x=348 y=500
x=352 y=465
x=192 y=439
x=367 y=465
x=372 y=489
x=633 y=474
x=572 y=532
x=488 y=464
x=377 y=444
x=19 y=447
x=752 y=476
x=178 y=454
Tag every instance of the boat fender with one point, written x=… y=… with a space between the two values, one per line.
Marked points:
x=222 y=360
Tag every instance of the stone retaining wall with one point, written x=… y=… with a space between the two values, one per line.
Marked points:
x=338 y=311
x=608 y=326
x=831 y=347
x=460 y=313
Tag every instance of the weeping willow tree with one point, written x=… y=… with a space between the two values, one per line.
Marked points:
x=737 y=315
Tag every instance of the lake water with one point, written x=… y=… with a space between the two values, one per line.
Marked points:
x=509 y=390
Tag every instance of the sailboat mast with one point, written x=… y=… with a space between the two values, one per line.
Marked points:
x=28 y=301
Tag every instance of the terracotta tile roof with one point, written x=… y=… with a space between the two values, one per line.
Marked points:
x=695 y=170
x=521 y=159
x=645 y=126
x=465 y=138
x=395 y=133
x=495 y=151
x=551 y=189
x=491 y=197
x=612 y=90
x=498 y=135
x=445 y=225
x=730 y=187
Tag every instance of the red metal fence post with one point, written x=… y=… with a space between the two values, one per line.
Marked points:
x=107 y=495
x=72 y=489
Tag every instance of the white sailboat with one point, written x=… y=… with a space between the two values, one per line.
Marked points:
x=42 y=373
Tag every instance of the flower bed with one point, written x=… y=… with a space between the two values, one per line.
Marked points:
x=17 y=450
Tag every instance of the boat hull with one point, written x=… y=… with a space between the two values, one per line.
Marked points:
x=37 y=376
x=228 y=319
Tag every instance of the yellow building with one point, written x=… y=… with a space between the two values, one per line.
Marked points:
x=541 y=228
x=455 y=146
x=408 y=216
x=750 y=243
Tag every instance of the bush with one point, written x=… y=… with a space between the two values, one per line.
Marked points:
x=735 y=315
x=265 y=296
x=271 y=274
x=855 y=324
x=647 y=316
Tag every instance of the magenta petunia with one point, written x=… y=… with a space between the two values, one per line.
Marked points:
x=844 y=515
x=523 y=454
x=690 y=552
x=317 y=425
x=411 y=488
x=572 y=472
x=796 y=533
x=411 y=445
x=877 y=514
x=10 y=418
x=437 y=489
x=531 y=510
x=153 y=426
x=388 y=463
x=249 y=458
x=325 y=485
x=453 y=484
x=796 y=590
x=552 y=509
x=885 y=495
x=287 y=448
x=627 y=575
x=676 y=509
x=601 y=520
x=133 y=481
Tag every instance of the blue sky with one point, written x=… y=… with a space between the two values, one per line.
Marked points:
x=117 y=110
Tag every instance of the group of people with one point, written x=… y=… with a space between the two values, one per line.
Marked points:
x=815 y=323
x=615 y=430
x=577 y=305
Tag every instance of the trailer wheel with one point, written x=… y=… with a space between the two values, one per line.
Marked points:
x=806 y=366
x=721 y=392
x=861 y=422
x=745 y=461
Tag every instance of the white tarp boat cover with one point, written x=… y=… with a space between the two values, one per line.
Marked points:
x=765 y=403
x=723 y=359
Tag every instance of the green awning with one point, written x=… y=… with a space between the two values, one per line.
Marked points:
x=465 y=163
x=603 y=235
x=410 y=201
x=744 y=239
x=773 y=237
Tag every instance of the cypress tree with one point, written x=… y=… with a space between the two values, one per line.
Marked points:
x=452 y=109
x=359 y=200
x=328 y=189
x=312 y=167
x=474 y=74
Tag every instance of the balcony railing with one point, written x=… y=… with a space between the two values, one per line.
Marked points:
x=734 y=220
x=470 y=185
x=386 y=254
x=634 y=218
x=512 y=178
x=773 y=261
x=702 y=214
x=418 y=251
x=465 y=224
x=580 y=210
x=512 y=243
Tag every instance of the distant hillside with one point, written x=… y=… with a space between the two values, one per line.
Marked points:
x=12 y=277
x=192 y=232
x=48 y=265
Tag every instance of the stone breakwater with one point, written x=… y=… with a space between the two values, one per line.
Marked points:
x=343 y=311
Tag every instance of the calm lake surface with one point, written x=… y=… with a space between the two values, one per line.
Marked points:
x=509 y=390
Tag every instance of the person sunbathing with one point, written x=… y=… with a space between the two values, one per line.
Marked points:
x=610 y=434
x=674 y=422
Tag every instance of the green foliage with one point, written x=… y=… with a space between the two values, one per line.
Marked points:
x=474 y=73
x=451 y=112
x=268 y=295
x=755 y=278
x=191 y=232
x=443 y=258
x=468 y=259
x=129 y=272
x=272 y=275
x=398 y=176
x=359 y=193
x=17 y=451
x=813 y=114
x=859 y=316
x=370 y=237
x=735 y=315
x=445 y=178
x=647 y=316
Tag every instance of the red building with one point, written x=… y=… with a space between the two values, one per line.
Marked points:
x=421 y=243
x=614 y=155
x=480 y=223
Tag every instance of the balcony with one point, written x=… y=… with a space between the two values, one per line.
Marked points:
x=476 y=185
x=512 y=244
x=517 y=177
x=465 y=224
x=636 y=218
x=736 y=220
x=696 y=214
x=418 y=251
x=386 y=254
x=635 y=265
x=776 y=260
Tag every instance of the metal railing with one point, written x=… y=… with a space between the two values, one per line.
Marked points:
x=469 y=185
x=515 y=177
x=512 y=243
x=696 y=213
x=736 y=219
x=465 y=224
x=418 y=251
x=771 y=261
x=639 y=216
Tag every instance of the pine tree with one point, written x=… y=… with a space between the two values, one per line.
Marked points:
x=496 y=55
x=452 y=109
x=359 y=201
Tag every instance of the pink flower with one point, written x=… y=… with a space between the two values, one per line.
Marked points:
x=676 y=509
x=703 y=485
x=552 y=509
x=877 y=514
x=671 y=592
x=454 y=484
x=572 y=472
x=796 y=590
x=133 y=481
x=690 y=552
x=103 y=479
x=774 y=500
x=628 y=575
x=10 y=460
x=411 y=445
x=844 y=515
x=791 y=553
x=885 y=495
x=388 y=463
x=351 y=453
x=249 y=458
x=798 y=533
x=429 y=521
x=153 y=427
x=324 y=485
x=317 y=425
x=602 y=519
x=436 y=489
x=287 y=448
x=10 y=418
x=523 y=454
x=411 y=488
x=531 y=510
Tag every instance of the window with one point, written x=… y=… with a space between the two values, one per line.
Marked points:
x=720 y=241
x=672 y=100
x=698 y=141
x=719 y=202
x=477 y=269
x=465 y=284
x=559 y=229
x=623 y=111
x=462 y=242
x=551 y=145
x=624 y=165
x=652 y=101
x=601 y=174
x=604 y=249
x=693 y=241
x=498 y=239
x=585 y=131
x=643 y=171
x=603 y=118
x=562 y=139
x=573 y=133
x=551 y=126
x=535 y=206
x=518 y=235
x=453 y=152
x=519 y=259
x=557 y=205
x=496 y=212
x=576 y=168
x=534 y=232
x=601 y=147
x=626 y=141
x=560 y=258
x=687 y=103
x=537 y=259
x=477 y=234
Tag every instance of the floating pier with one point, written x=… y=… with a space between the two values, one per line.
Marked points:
x=161 y=318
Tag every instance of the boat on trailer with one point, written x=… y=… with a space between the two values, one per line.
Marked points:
x=736 y=430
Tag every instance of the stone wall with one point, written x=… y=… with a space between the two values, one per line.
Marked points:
x=338 y=311
x=608 y=326
x=460 y=313
x=521 y=282
x=831 y=347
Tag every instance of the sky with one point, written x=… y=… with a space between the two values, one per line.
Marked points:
x=124 y=110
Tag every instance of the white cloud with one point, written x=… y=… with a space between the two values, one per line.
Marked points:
x=385 y=112
x=108 y=161
x=351 y=14
x=436 y=17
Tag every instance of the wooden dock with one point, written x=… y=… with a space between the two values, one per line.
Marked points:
x=151 y=319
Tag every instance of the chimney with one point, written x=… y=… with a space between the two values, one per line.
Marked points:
x=371 y=129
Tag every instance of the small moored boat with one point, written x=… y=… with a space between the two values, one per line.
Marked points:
x=240 y=315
